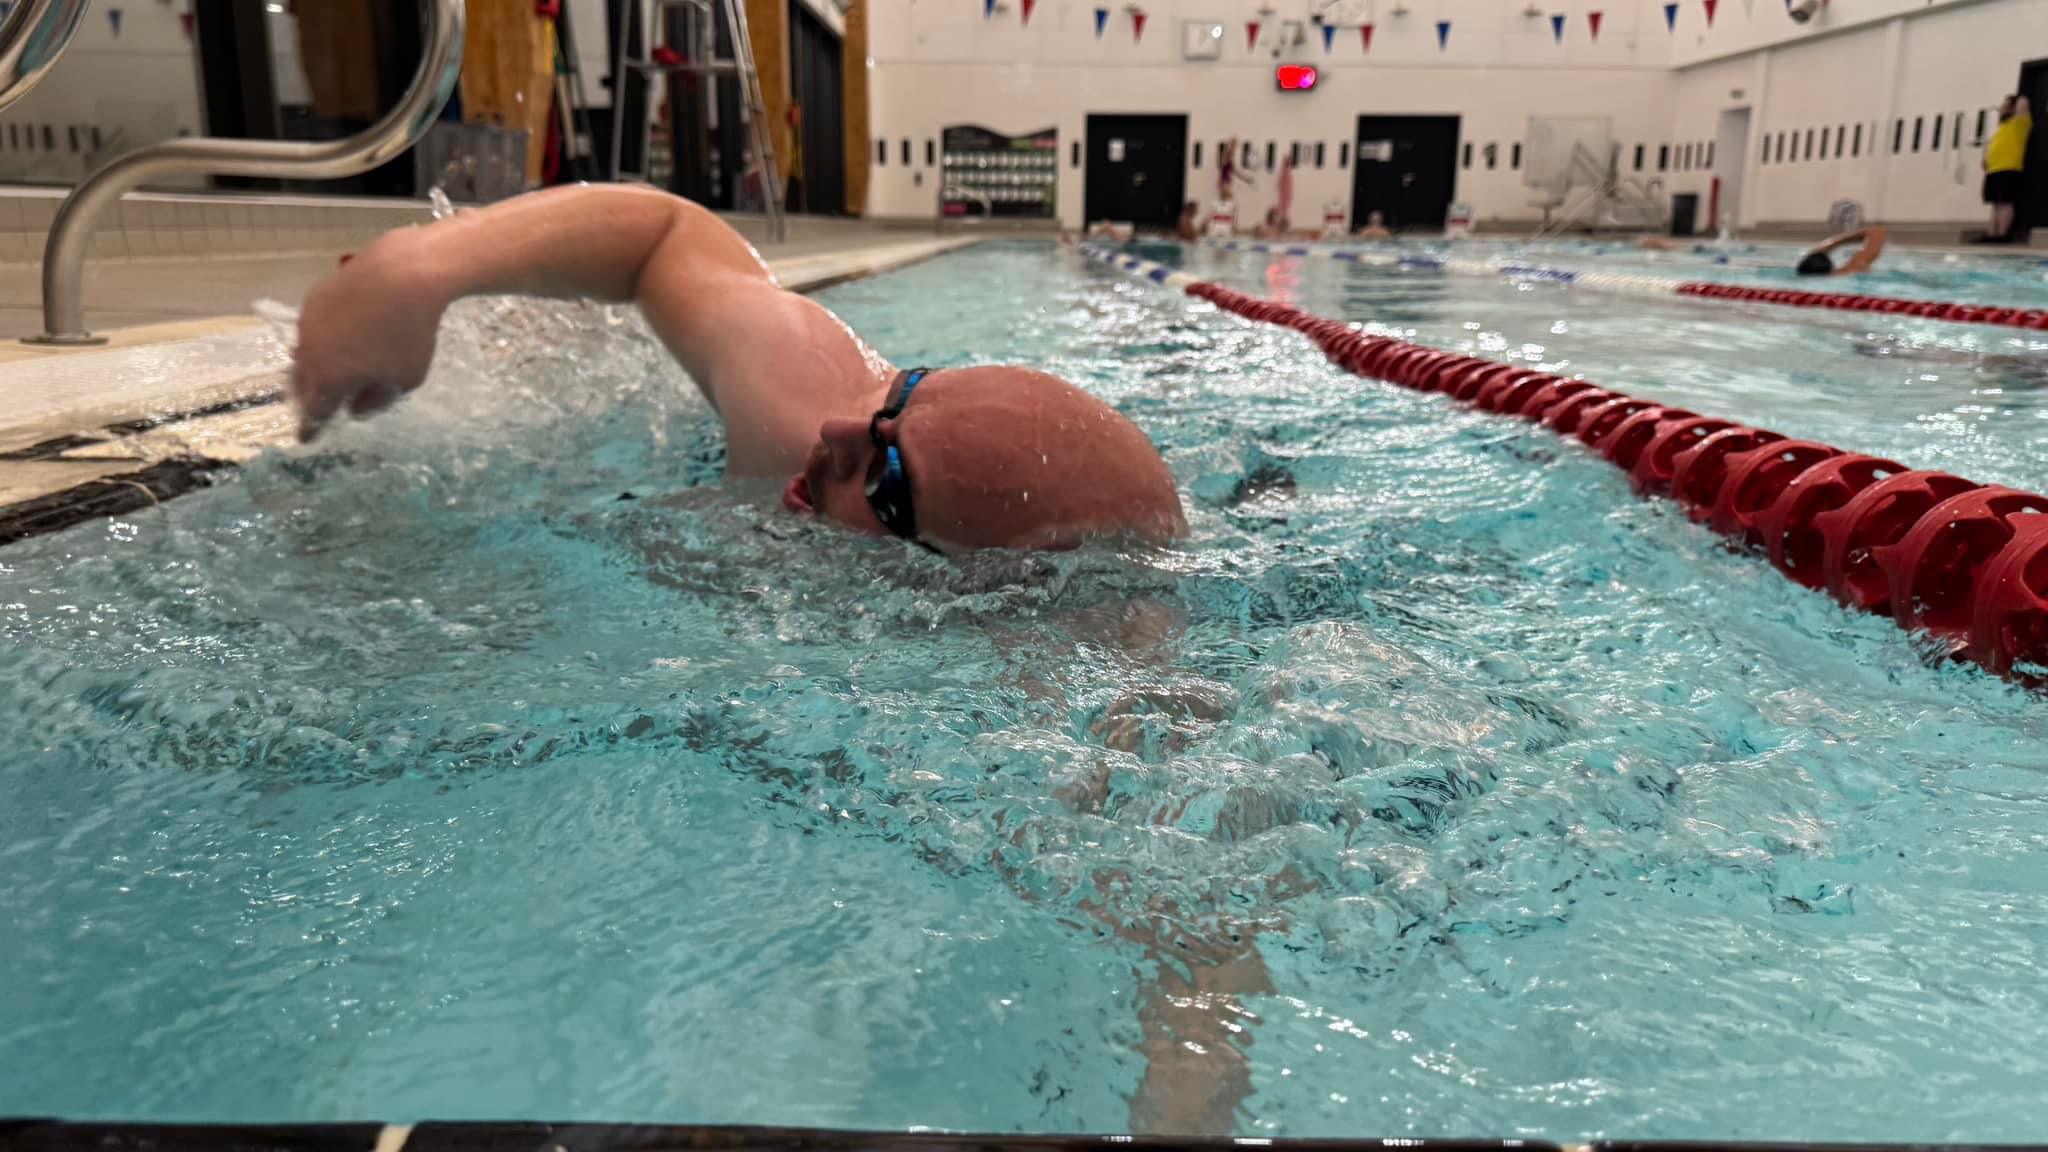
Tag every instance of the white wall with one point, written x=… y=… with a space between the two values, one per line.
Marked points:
x=938 y=62
x=1868 y=62
x=137 y=88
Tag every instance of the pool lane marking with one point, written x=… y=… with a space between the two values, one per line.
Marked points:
x=2004 y=618
x=2034 y=319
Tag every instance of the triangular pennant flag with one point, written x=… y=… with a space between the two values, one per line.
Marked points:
x=1028 y=5
x=988 y=8
x=185 y=23
x=1365 y=37
x=1557 y=27
x=1671 y=17
x=1251 y=35
x=1101 y=21
x=1443 y=34
x=1329 y=37
x=1593 y=18
x=114 y=18
x=1137 y=25
x=1710 y=6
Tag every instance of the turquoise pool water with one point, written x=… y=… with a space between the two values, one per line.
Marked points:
x=488 y=761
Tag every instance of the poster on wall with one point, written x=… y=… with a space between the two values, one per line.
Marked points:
x=989 y=174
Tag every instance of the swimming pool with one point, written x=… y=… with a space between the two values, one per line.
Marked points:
x=486 y=762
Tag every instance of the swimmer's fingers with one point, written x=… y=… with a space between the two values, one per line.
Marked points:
x=316 y=403
x=373 y=398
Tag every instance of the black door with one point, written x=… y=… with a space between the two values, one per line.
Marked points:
x=1137 y=169
x=1405 y=167
x=2033 y=206
x=816 y=87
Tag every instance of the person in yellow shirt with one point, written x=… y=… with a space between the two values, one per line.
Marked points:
x=2004 y=157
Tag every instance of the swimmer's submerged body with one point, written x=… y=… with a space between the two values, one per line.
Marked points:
x=956 y=459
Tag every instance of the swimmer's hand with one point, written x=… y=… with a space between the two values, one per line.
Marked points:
x=366 y=335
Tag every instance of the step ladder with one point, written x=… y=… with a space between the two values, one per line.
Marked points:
x=695 y=56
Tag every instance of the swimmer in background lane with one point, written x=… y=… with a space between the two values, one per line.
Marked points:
x=1189 y=227
x=954 y=459
x=1375 y=227
x=1817 y=263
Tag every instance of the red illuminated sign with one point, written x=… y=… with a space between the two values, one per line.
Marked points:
x=1295 y=77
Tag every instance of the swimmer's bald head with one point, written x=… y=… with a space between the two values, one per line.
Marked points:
x=998 y=457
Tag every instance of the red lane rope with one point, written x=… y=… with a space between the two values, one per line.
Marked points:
x=2033 y=318
x=1962 y=561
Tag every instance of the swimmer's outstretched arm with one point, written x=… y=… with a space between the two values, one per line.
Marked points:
x=366 y=333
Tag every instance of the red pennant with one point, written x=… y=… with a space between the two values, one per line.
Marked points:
x=1365 y=37
x=1593 y=18
x=1137 y=26
x=1251 y=35
x=185 y=22
x=1028 y=6
x=1711 y=5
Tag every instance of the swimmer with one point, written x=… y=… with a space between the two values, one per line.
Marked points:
x=1817 y=263
x=953 y=458
x=1189 y=227
x=1651 y=242
x=1375 y=227
x=1274 y=227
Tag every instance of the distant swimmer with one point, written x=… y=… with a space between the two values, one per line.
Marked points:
x=1375 y=227
x=1817 y=262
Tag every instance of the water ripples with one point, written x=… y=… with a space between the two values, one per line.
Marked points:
x=485 y=762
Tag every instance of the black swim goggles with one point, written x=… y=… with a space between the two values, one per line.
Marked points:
x=888 y=486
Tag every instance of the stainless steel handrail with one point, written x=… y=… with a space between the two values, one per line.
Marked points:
x=64 y=254
x=32 y=36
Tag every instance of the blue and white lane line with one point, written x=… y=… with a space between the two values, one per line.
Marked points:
x=1151 y=270
x=1607 y=281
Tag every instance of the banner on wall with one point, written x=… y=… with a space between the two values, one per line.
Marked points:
x=1557 y=27
x=1365 y=38
x=1710 y=5
x=1593 y=19
x=1443 y=35
x=1027 y=6
x=1671 y=17
x=1101 y=21
x=1329 y=37
x=987 y=172
x=1251 y=35
x=1137 y=25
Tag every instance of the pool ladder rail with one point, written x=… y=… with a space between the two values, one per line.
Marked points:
x=32 y=36
x=70 y=233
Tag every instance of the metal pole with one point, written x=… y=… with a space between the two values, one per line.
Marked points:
x=621 y=15
x=64 y=254
x=32 y=36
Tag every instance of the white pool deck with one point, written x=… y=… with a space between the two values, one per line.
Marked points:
x=191 y=373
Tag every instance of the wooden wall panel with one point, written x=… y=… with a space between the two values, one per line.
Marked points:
x=768 y=25
x=854 y=107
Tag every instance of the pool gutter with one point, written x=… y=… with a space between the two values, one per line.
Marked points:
x=34 y=1135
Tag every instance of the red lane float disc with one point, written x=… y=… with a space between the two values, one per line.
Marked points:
x=1932 y=570
x=1755 y=480
x=1880 y=514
